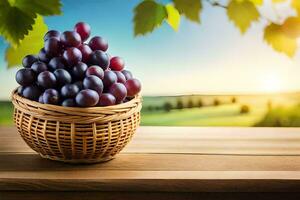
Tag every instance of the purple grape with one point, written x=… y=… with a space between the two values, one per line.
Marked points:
x=32 y=92
x=47 y=79
x=83 y=29
x=29 y=60
x=70 y=39
x=98 y=43
x=118 y=90
x=107 y=99
x=133 y=87
x=69 y=103
x=120 y=76
x=99 y=58
x=72 y=56
x=20 y=90
x=62 y=77
x=95 y=70
x=52 y=47
x=87 y=98
x=86 y=52
x=127 y=74
x=109 y=78
x=79 y=84
x=52 y=34
x=41 y=100
x=116 y=63
x=56 y=63
x=43 y=56
x=51 y=96
x=94 y=83
x=25 y=76
x=69 y=91
x=79 y=70
x=39 y=67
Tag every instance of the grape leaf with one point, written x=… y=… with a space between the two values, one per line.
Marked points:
x=173 y=17
x=242 y=13
x=14 y=23
x=278 y=1
x=291 y=27
x=296 y=5
x=148 y=15
x=42 y=7
x=274 y=35
x=31 y=44
x=189 y=8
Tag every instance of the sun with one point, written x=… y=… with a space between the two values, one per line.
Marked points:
x=271 y=83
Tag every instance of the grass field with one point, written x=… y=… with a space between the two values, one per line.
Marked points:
x=264 y=110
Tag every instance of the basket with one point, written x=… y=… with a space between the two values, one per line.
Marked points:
x=76 y=135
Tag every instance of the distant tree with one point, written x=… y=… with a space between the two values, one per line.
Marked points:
x=244 y=109
x=269 y=105
x=167 y=106
x=190 y=103
x=233 y=100
x=150 y=108
x=179 y=104
x=200 y=103
x=216 y=102
x=157 y=108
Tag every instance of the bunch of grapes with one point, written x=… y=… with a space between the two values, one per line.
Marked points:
x=71 y=72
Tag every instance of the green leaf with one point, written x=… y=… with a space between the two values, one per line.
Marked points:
x=148 y=15
x=42 y=7
x=189 y=8
x=173 y=17
x=14 y=23
x=274 y=36
x=242 y=13
x=278 y=1
x=257 y=2
x=296 y=5
x=291 y=27
x=31 y=44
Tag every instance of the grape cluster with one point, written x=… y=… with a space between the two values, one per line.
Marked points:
x=71 y=72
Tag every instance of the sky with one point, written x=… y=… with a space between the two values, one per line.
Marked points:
x=210 y=58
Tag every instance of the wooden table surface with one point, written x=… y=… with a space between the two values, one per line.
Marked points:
x=163 y=163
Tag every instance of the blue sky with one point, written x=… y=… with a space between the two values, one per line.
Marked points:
x=209 y=58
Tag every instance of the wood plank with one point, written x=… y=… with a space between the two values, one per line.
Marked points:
x=252 y=141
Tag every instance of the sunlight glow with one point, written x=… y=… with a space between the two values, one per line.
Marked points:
x=271 y=83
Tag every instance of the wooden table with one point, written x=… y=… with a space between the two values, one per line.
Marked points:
x=163 y=163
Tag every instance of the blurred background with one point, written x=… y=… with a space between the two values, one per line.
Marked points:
x=218 y=68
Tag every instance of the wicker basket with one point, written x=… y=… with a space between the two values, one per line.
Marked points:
x=76 y=135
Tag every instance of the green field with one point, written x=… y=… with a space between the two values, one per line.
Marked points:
x=202 y=110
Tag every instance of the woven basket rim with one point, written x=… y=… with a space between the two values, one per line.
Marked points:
x=15 y=96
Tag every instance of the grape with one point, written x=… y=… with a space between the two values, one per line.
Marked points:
x=95 y=70
x=39 y=67
x=32 y=92
x=25 y=76
x=69 y=103
x=133 y=87
x=99 y=58
x=109 y=78
x=83 y=29
x=52 y=34
x=72 y=56
x=87 y=98
x=20 y=90
x=52 y=47
x=107 y=99
x=116 y=63
x=127 y=74
x=120 y=77
x=29 y=60
x=86 y=52
x=98 y=43
x=94 y=83
x=62 y=77
x=118 y=90
x=70 y=39
x=56 y=63
x=46 y=79
x=79 y=84
x=41 y=100
x=69 y=91
x=43 y=56
x=78 y=71
x=51 y=96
